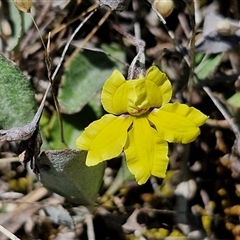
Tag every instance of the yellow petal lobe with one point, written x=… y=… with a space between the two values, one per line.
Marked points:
x=177 y=122
x=105 y=138
x=135 y=96
x=114 y=95
x=161 y=80
x=146 y=153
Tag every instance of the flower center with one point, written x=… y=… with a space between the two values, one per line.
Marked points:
x=137 y=112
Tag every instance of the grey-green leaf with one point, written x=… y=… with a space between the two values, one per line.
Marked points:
x=65 y=172
x=21 y=22
x=17 y=98
x=73 y=125
x=84 y=77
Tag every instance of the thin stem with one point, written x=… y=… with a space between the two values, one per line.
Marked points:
x=69 y=42
x=8 y=234
x=90 y=35
x=225 y=114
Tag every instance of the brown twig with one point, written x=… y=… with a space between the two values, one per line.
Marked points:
x=89 y=36
x=65 y=25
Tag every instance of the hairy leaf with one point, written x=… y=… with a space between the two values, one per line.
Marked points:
x=84 y=77
x=65 y=172
x=17 y=98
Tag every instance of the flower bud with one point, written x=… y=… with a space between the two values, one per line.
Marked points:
x=23 y=5
x=164 y=7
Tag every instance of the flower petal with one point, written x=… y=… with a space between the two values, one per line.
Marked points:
x=146 y=153
x=177 y=122
x=137 y=97
x=161 y=80
x=114 y=95
x=105 y=138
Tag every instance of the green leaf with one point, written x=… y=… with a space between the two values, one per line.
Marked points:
x=73 y=125
x=198 y=58
x=234 y=100
x=65 y=172
x=115 y=53
x=21 y=22
x=17 y=98
x=84 y=77
x=205 y=68
x=233 y=105
x=71 y=130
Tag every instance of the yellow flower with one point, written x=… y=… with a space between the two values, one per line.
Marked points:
x=140 y=122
